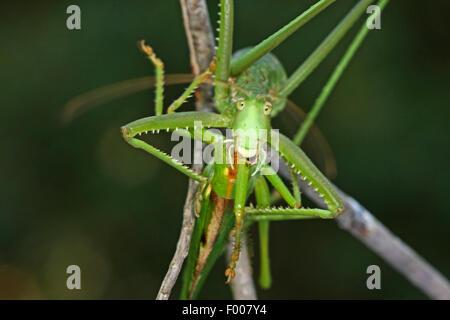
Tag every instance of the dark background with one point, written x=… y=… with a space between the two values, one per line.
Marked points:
x=77 y=194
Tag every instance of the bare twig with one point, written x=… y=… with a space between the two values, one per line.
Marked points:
x=201 y=46
x=369 y=230
x=365 y=227
x=182 y=245
x=242 y=285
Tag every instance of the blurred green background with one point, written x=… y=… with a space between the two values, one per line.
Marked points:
x=77 y=194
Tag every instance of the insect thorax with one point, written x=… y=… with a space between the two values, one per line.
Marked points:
x=262 y=79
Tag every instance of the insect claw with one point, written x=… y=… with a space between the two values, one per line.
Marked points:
x=145 y=48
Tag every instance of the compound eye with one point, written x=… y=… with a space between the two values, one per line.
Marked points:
x=240 y=104
x=267 y=108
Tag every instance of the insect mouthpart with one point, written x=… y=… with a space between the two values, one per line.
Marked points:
x=247 y=153
x=253 y=160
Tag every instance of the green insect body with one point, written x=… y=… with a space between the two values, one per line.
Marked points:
x=256 y=88
x=250 y=111
x=231 y=181
x=250 y=88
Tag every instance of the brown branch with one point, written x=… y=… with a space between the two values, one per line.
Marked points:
x=182 y=245
x=365 y=227
x=201 y=46
x=201 y=43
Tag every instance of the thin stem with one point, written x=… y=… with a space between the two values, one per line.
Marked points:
x=182 y=249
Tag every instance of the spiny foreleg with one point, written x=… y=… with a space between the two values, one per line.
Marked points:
x=169 y=122
x=303 y=166
x=279 y=214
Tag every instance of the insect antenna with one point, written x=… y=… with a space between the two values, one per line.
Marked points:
x=96 y=97
x=85 y=101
